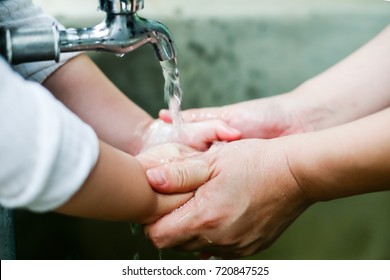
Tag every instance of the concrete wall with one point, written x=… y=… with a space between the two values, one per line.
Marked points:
x=230 y=51
x=236 y=50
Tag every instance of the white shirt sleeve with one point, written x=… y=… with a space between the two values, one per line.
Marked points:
x=15 y=13
x=46 y=152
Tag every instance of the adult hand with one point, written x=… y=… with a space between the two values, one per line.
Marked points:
x=261 y=118
x=247 y=199
x=199 y=135
x=159 y=156
x=165 y=154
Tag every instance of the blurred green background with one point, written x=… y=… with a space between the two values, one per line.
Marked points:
x=229 y=51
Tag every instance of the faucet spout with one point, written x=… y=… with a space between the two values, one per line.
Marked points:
x=162 y=40
x=120 y=34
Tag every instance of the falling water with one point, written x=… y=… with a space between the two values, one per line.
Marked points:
x=142 y=247
x=173 y=96
x=172 y=92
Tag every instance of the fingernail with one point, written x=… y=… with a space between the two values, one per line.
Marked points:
x=156 y=177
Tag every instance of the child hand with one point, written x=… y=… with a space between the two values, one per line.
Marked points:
x=198 y=135
x=160 y=155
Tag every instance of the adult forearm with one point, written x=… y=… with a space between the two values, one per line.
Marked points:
x=345 y=160
x=355 y=87
x=83 y=88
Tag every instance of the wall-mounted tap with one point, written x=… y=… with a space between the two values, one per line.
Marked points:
x=121 y=32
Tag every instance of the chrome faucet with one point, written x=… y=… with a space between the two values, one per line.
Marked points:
x=121 y=32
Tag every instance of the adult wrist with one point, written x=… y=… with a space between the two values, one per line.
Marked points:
x=311 y=107
x=303 y=167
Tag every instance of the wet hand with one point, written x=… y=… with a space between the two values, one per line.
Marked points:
x=199 y=135
x=263 y=118
x=161 y=155
x=247 y=198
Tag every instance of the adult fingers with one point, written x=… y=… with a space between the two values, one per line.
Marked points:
x=163 y=154
x=201 y=135
x=194 y=115
x=173 y=229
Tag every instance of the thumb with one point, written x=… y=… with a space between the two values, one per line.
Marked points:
x=179 y=177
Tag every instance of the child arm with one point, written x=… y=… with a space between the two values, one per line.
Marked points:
x=117 y=189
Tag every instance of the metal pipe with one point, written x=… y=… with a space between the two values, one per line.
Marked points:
x=30 y=44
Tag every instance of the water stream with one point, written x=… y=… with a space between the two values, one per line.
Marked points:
x=173 y=96
x=173 y=92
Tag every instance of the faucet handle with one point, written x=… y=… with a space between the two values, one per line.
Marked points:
x=121 y=6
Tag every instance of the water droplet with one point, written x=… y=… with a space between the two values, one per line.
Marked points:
x=133 y=228
x=120 y=55
x=136 y=256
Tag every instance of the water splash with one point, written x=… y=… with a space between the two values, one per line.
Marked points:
x=134 y=230
x=141 y=248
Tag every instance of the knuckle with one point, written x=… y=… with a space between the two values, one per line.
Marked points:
x=181 y=176
x=210 y=221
